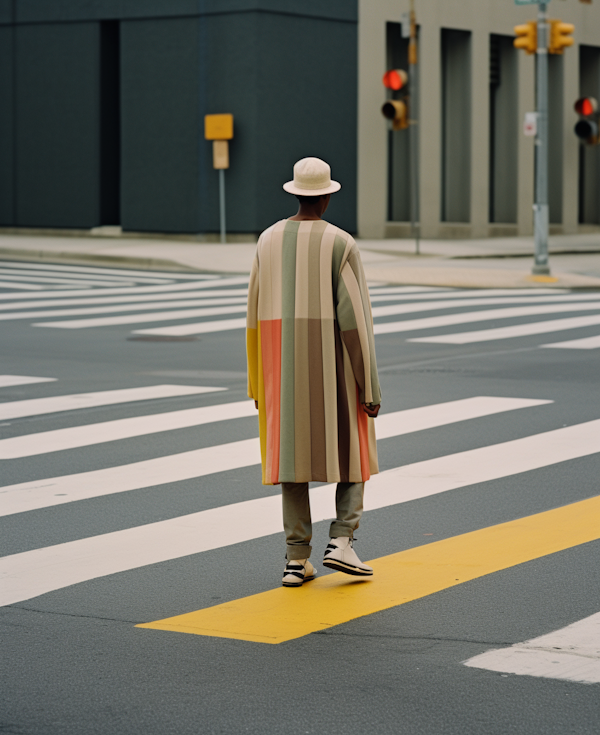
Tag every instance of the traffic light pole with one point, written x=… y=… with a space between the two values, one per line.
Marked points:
x=414 y=129
x=541 y=265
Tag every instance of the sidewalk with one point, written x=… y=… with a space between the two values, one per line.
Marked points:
x=490 y=263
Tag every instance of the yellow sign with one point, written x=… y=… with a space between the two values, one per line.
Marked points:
x=218 y=127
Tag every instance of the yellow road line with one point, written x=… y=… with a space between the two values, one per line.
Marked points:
x=286 y=613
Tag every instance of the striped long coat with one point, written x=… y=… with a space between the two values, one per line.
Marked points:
x=311 y=355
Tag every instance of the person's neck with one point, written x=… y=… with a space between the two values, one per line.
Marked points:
x=305 y=213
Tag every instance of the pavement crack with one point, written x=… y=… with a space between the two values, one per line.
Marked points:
x=73 y=615
x=440 y=639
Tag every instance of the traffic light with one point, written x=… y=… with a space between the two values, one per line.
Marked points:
x=560 y=36
x=526 y=37
x=587 y=128
x=397 y=112
x=395 y=79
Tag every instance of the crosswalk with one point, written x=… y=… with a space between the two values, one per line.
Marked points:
x=63 y=474
x=38 y=571
x=181 y=305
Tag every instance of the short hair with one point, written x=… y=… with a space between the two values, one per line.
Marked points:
x=307 y=199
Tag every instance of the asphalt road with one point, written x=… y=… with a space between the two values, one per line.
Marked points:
x=73 y=660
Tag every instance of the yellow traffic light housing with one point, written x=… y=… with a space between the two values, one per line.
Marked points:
x=560 y=36
x=397 y=112
x=526 y=37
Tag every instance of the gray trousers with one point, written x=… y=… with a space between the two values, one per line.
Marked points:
x=296 y=515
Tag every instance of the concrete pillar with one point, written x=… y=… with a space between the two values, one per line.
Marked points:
x=525 y=179
x=480 y=133
x=372 y=136
x=430 y=139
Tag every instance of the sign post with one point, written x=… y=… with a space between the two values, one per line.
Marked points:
x=541 y=209
x=414 y=128
x=219 y=129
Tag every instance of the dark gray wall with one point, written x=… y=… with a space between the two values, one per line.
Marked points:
x=307 y=107
x=504 y=129
x=456 y=126
x=589 y=155
x=57 y=125
x=6 y=125
x=398 y=140
x=286 y=69
x=555 y=137
x=160 y=125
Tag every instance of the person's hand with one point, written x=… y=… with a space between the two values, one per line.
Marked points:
x=256 y=404
x=371 y=411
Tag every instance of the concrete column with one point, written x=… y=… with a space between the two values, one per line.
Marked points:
x=372 y=128
x=525 y=179
x=430 y=138
x=480 y=132
x=570 y=200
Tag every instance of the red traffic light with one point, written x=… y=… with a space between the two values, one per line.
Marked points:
x=586 y=106
x=395 y=79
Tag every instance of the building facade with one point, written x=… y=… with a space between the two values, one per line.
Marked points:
x=102 y=110
x=102 y=106
x=476 y=166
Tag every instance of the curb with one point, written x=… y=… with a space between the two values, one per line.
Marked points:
x=421 y=276
x=91 y=258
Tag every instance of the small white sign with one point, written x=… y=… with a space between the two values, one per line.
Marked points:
x=530 y=124
x=405 y=23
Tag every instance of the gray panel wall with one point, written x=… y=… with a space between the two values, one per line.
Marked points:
x=286 y=69
x=287 y=104
x=555 y=137
x=398 y=140
x=57 y=119
x=456 y=126
x=503 y=131
x=160 y=125
x=6 y=126
x=307 y=94
x=230 y=84
x=589 y=156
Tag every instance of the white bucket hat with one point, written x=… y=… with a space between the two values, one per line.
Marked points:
x=312 y=177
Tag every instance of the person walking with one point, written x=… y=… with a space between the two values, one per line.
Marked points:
x=312 y=371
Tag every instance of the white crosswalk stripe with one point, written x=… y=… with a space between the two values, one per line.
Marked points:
x=25 y=575
x=77 y=401
x=586 y=343
x=7 y=381
x=74 y=462
x=69 y=276
x=182 y=330
x=571 y=653
x=121 y=307
x=20 y=286
x=517 y=330
x=511 y=313
x=201 y=462
x=157 y=316
x=109 y=431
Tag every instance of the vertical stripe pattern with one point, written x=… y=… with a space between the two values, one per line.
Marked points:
x=311 y=355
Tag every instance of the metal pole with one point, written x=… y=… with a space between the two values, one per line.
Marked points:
x=541 y=265
x=414 y=129
x=222 y=203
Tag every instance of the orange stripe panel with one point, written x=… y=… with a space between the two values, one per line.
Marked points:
x=271 y=351
x=363 y=438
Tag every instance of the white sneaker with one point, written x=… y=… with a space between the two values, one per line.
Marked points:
x=340 y=555
x=298 y=571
